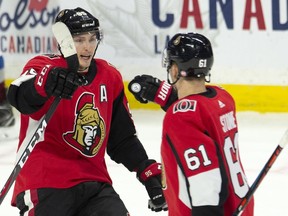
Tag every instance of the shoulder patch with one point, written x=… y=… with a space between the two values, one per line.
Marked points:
x=185 y=105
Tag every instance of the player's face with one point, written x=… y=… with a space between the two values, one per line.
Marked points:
x=85 y=44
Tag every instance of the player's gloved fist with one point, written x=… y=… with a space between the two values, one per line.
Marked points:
x=148 y=88
x=149 y=174
x=57 y=82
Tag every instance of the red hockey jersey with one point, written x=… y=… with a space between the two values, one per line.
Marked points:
x=81 y=129
x=200 y=154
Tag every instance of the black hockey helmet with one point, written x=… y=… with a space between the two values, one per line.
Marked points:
x=79 y=21
x=192 y=52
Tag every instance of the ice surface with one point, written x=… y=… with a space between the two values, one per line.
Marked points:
x=259 y=135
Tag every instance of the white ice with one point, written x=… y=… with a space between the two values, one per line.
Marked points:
x=259 y=136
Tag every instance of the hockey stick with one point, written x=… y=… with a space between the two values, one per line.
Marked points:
x=262 y=174
x=65 y=41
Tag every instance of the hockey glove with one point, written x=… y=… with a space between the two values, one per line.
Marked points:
x=148 y=88
x=149 y=174
x=57 y=82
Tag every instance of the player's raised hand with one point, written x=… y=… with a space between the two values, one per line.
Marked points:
x=57 y=82
x=148 y=88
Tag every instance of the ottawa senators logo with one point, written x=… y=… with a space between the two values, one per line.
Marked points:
x=89 y=128
x=185 y=105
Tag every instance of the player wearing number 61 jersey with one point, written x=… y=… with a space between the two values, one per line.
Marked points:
x=202 y=171
x=202 y=131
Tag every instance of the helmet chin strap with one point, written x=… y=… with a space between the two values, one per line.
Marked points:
x=168 y=80
x=208 y=78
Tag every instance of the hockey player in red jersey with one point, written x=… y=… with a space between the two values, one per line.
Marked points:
x=202 y=171
x=66 y=173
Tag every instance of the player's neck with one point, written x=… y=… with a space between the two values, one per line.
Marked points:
x=83 y=70
x=188 y=88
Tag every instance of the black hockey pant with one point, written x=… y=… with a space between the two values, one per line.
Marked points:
x=85 y=199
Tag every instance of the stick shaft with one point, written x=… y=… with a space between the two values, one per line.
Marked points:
x=262 y=174
x=28 y=149
x=65 y=40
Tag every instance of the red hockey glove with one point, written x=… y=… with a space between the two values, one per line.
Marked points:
x=148 y=88
x=57 y=82
x=149 y=174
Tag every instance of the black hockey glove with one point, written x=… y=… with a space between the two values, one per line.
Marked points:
x=58 y=82
x=149 y=174
x=148 y=88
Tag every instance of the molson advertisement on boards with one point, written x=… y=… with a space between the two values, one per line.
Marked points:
x=25 y=31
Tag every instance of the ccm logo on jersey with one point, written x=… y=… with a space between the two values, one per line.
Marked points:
x=185 y=105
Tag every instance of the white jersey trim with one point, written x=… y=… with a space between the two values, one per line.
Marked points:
x=204 y=188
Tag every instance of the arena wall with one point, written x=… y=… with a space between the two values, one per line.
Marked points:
x=249 y=41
